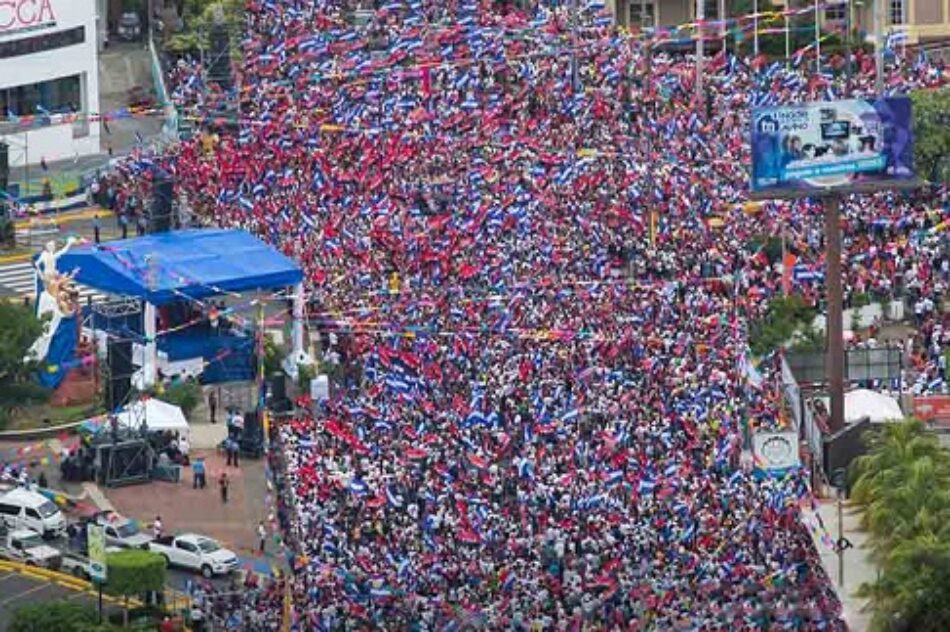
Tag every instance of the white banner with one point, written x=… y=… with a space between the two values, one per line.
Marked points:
x=775 y=450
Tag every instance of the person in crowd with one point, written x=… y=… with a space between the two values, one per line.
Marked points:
x=538 y=284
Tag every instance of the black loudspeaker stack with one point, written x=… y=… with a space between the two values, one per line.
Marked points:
x=4 y=177
x=120 y=373
x=160 y=212
x=219 y=71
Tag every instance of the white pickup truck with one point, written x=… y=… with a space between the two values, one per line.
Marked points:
x=121 y=532
x=28 y=547
x=195 y=552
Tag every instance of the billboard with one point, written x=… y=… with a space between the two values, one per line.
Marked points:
x=933 y=408
x=775 y=452
x=832 y=145
x=96 y=543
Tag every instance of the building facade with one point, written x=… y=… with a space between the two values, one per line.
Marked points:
x=923 y=20
x=49 y=79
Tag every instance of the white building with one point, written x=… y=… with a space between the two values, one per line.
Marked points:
x=49 y=79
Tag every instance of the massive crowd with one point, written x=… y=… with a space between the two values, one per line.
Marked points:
x=542 y=287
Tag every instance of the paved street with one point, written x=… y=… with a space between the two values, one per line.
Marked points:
x=858 y=568
x=20 y=590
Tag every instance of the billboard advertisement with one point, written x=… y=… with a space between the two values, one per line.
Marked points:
x=96 y=543
x=832 y=145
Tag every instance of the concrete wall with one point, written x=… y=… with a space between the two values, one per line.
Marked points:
x=675 y=12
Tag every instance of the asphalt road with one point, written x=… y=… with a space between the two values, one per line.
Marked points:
x=175 y=578
x=18 y=590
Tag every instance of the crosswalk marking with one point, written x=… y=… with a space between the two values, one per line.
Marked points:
x=18 y=279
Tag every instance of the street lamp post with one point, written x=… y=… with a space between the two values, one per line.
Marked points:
x=700 y=18
x=834 y=366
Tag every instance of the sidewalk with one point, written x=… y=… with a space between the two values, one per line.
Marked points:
x=59 y=226
x=858 y=568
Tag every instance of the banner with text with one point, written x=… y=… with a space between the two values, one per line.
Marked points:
x=832 y=145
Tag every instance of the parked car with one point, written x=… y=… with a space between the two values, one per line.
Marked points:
x=139 y=97
x=130 y=26
x=22 y=508
x=122 y=532
x=195 y=552
x=80 y=566
x=27 y=546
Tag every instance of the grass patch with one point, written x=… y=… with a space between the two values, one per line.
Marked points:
x=32 y=417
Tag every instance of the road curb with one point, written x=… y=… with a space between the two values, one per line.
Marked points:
x=15 y=258
x=63 y=579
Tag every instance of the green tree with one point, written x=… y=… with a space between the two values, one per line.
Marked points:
x=132 y=573
x=931 y=133
x=56 y=616
x=902 y=484
x=185 y=394
x=891 y=448
x=785 y=315
x=913 y=591
x=17 y=378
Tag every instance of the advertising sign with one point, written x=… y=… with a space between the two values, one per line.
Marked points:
x=834 y=145
x=775 y=451
x=96 y=543
x=25 y=15
x=933 y=408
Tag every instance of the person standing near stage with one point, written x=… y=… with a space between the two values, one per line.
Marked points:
x=261 y=537
x=223 y=484
x=198 y=470
x=213 y=407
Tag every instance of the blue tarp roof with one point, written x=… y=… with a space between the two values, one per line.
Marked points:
x=196 y=263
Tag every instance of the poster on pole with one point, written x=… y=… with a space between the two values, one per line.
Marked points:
x=829 y=146
x=775 y=452
x=96 y=544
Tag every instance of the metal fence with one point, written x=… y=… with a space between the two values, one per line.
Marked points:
x=802 y=413
x=883 y=363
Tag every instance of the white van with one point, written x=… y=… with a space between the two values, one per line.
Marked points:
x=21 y=508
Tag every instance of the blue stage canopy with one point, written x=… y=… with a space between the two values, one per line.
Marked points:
x=166 y=267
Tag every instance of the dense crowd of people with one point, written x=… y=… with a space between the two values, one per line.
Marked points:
x=255 y=605
x=539 y=279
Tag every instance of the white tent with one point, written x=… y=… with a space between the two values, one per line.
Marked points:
x=878 y=407
x=157 y=416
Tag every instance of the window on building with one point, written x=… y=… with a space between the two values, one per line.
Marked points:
x=837 y=12
x=55 y=97
x=712 y=9
x=641 y=13
x=42 y=43
x=897 y=11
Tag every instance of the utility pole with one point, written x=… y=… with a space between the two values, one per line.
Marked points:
x=700 y=18
x=849 y=25
x=723 y=32
x=575 y=83
x=879 y=46
x=788 y=43
x=755 y=27
x=834 y=365
x=817 y=40
x=839 y=546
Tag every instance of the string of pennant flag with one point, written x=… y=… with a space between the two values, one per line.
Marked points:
x=658 y=35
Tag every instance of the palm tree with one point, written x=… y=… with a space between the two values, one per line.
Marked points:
x=891 y=448
x=912 y=501
x=903 y=484
x=913 y=591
